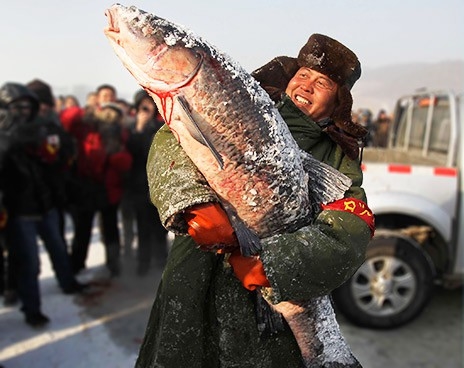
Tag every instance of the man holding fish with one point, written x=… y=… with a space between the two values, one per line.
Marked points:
x=221 y=185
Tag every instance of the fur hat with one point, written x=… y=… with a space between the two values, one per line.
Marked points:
x=275 y=75
x=329 y=57
x=43 y=91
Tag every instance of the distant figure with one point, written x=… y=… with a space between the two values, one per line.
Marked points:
x=364 y=118
x=59 y=140
x=106 y=93
x=30 y=198
x=152 y=236
x=91 y=101
x=46 y=99
x=70 y=101
x=101 y=163
x=59 y=104
x=381 y=127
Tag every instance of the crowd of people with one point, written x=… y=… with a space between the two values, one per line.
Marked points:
x=377 y=128
x=60 y=160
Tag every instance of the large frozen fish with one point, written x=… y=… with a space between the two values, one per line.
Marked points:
x=230 y=128
x=227 y=125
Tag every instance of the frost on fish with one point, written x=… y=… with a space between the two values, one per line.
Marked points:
x=318 y=334
x=335 y=351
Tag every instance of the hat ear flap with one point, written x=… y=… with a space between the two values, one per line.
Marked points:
x=275 y=75
x=344 y=131
x=342 y=114
x=348 y=144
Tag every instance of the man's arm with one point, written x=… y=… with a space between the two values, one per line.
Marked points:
x=175 y=183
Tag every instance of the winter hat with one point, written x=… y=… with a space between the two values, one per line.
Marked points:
x=43 y=92
x=320 y=53
x=275 y=75
x=329 y=57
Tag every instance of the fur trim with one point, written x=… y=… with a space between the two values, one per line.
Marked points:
x=275 y=75
x=342 y=115
x=349 y=145
x=347 y=134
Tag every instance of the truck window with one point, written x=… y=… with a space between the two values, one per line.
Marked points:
x=441 y=126
x=399 y=129
x=419 y=120
x=411 y=127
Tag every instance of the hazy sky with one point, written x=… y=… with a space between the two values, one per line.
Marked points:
x=62 y=42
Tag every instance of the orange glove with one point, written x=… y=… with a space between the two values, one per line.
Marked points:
x=249 y=270
x=209 y=226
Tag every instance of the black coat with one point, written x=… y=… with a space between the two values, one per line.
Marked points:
x=138 y=144
x=25 y=188
x=33 y=174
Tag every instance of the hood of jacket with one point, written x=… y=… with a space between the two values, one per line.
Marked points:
x=11 y=92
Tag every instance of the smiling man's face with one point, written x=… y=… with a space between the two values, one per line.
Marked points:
x=313 y=93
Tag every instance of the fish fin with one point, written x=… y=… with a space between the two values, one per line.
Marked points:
x=248 y=240
x=269 y=320
x=195 y=130
x=326 y=184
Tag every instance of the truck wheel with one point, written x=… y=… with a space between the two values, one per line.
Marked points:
x=391 y=288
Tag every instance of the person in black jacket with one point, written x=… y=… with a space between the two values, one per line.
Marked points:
x=30 y=198
x=7 y=276
x=151 y=233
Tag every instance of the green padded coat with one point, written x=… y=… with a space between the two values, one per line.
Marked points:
x=202 y=317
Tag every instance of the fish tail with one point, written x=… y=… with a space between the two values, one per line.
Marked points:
x=326 y=184
x=269 y=321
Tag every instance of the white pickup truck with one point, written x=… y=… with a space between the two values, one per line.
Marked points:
x=415 y=188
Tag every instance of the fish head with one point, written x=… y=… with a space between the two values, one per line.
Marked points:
x=159 y=54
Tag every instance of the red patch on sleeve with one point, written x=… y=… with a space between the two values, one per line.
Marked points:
x=355 y=206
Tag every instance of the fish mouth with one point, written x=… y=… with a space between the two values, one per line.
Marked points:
x=109 y=16
x=145 y=51
x=112 y=29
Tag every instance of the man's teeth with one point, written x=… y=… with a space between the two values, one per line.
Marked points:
x=301 y=100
